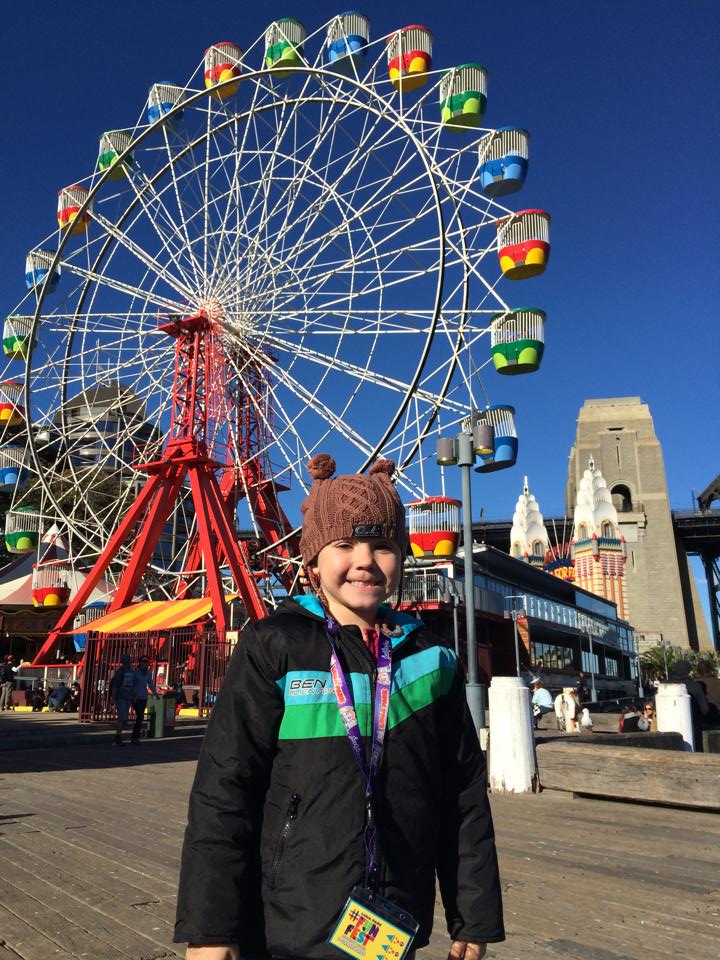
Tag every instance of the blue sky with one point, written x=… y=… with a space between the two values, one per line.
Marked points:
x=621 y=101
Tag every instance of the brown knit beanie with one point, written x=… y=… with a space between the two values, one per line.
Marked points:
x=351 y=505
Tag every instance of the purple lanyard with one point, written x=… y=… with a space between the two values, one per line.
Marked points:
x=346 y=705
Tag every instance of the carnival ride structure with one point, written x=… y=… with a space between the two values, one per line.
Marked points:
x=299 y=248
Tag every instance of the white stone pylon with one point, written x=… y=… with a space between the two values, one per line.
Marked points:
x=672 y=705
x=512 y=748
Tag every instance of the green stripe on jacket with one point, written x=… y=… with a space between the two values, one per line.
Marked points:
x=313 y=720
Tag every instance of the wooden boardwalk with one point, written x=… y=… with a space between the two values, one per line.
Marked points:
x=90 y=841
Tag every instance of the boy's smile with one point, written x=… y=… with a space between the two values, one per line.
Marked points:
x=356 y=576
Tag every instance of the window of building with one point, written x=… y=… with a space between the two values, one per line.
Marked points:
x=607 y=530
x=621 y=498
x=590 y=663
x=552 y=656
x=611 y=667
x=582 y=532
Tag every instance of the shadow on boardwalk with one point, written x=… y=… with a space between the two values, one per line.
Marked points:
x=90 y=843
x=47 y=741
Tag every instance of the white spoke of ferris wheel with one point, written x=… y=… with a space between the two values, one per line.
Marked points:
x=259 y=198
x=172 y=167
x=372 y=321
x=145 y=258
x=182 y=248
x=361 y=374
x=381 y=192
x=98 y=278
x=206 y=196
x=320 y=278
x=79 y=356
x=234 y=191
x=316 y=138
x=334 y=420
x=277 y=142
x=322 y=242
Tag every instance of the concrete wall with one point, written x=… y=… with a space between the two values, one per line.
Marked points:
x=620 y=435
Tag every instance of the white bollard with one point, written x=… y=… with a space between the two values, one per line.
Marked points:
x=672 y=705
x=512 y=755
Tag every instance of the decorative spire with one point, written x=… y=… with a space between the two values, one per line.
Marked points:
x=528 y=537
x=594 y=508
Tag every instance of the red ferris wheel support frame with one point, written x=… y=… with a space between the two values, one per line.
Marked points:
x=251 y=476
x=199 y=385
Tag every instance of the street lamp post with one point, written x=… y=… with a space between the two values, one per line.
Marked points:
x=591 y=661
x=461 y=451
x=514 y=613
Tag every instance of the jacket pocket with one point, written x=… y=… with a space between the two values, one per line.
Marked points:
x=287 y=829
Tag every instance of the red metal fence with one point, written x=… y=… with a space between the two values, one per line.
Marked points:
x=191 y=662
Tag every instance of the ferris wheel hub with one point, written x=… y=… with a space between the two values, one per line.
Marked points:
x=212 y=309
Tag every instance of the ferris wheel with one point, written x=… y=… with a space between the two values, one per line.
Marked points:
x=325 y=210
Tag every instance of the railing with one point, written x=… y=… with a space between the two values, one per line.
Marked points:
x=182 y=660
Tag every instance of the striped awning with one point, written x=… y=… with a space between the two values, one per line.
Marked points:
x=151 y=615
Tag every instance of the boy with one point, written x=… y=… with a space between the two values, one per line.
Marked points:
x=340 y=760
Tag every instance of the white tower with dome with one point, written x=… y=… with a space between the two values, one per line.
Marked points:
x=597 y=547
x=529 y=539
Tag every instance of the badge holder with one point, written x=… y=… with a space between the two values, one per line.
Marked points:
x=371 y=927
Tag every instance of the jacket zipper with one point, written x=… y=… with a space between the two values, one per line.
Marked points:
x=291 y=816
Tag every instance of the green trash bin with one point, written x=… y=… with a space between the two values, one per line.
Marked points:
x=161 y=714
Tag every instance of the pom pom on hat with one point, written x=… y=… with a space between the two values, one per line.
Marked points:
x=382 y=466
x=321 y=466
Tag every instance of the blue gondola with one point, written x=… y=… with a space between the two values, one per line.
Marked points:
x=503 y=161
x=501 y=417
x=347 y=37
x=13 y=467
x=162 y=98
x=37 y=267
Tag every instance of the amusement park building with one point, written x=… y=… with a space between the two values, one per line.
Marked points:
x=562 y=630
x=106 y=417
x=106 y=426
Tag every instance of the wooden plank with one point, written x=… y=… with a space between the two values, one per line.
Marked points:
x=23 y=940
x=44 y=903
x=659 y=776
x=52 y=926
x=120 y=905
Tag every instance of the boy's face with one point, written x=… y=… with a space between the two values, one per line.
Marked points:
x=357 y=575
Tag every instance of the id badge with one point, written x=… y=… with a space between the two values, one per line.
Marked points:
x=371 y=927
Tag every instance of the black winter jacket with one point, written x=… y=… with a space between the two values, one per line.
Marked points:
x=274 y=842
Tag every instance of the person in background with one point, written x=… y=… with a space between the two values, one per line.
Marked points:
x=72 y=704
x=122 y=694
x=542 y=701
x=37 y=697
x=633 y=719
x=144 y=682
x=648 y=712
x=7 y=680
x=58 y=697
x=582 y=688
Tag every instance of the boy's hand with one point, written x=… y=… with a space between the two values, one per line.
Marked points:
x=461 y=950
x=212 y=953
